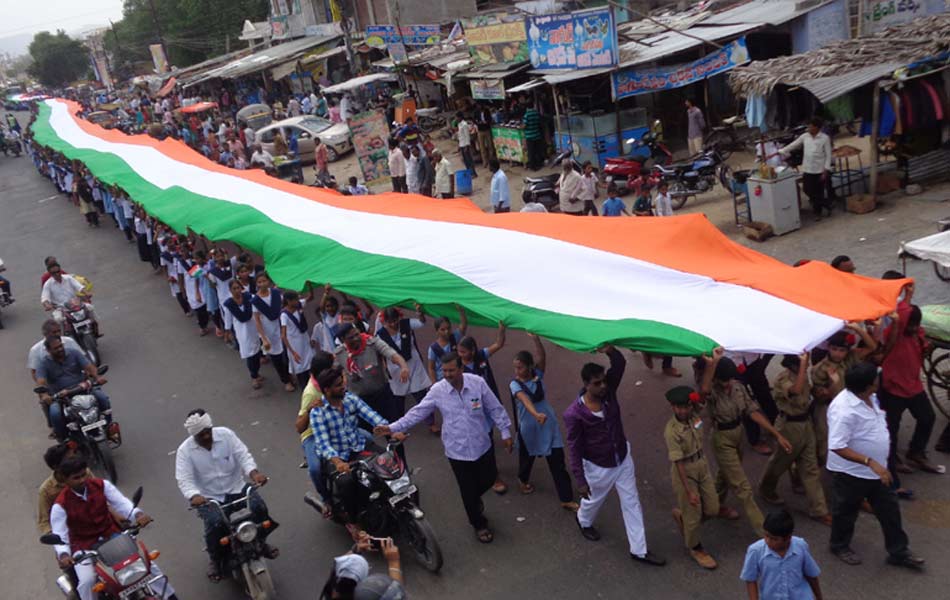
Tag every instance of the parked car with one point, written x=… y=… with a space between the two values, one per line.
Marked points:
x=308 y=129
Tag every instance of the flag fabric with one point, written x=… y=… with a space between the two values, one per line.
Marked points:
x=196 y=271
x=673 y=285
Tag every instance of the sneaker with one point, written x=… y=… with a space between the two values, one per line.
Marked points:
x=703 y=559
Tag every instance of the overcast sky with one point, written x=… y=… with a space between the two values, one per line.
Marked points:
x=27 y=18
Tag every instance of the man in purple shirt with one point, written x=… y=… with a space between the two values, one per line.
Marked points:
x=466 y=404
x=600 y=454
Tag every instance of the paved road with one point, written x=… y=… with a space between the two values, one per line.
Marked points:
x=160 y=368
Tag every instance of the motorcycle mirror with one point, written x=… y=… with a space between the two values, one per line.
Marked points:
x=40 y=390
x=103 y=369
x=51 y=539
x=137 y=496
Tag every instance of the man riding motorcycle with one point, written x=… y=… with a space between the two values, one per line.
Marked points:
x=213 y=464
x=59 y=290
x=81 y=518
x=64 y=368
x=338 y=437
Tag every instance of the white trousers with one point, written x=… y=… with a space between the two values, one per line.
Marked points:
x=86 y=573
x=622 y=477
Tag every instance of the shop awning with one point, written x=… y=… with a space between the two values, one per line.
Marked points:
x=765 y=12
x=524 y=87
x=499 y=71
x=358 y=82
x=264 y=59
x=829 y=88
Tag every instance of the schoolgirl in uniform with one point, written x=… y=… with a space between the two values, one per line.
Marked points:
x=268 y=303
x=295 y=334
x=245 y=330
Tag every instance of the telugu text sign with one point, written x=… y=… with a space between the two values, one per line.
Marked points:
x=379 y=36
x=580 y=40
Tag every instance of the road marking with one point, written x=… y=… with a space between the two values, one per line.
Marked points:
x=46 y=199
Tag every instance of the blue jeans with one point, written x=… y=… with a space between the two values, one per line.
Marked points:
x=58 y=421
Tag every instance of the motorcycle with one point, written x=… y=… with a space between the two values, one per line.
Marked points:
x=244 y=547
x=429 y=119
x=10 y=145
x=78 y=324
x=5 y=298
x=123 y=565
x=694 y=176
x=86 y=428
x=621 y=170
x=388 y=504
x=544 y=189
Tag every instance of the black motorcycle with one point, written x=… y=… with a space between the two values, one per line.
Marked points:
x=544 y=189
x=86 y=427
x=10 y=146
x=388 y=504
x=243 y=547
x=696 y=175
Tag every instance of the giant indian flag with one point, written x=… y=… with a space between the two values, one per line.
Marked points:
x=664 y=285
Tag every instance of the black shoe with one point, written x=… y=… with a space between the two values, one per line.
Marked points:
x=907 y=560
x=588 y=532
x=650 y=559
x=848 y=556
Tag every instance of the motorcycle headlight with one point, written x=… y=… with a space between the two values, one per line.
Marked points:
x=90 y=415
x=246 y=532
x=129 y=574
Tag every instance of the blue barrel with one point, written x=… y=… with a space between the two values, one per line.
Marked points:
x=463 y=182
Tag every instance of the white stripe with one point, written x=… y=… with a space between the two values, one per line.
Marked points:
x=532 y=270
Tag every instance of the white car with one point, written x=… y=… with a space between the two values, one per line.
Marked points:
x=308 y=129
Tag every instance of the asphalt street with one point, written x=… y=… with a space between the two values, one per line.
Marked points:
x=160 y=368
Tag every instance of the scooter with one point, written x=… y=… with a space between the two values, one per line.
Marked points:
x=123 y=566
x=244 y=547
x=694 y=176
x=623 y=169
x=388 y=504
x=544 y=189
x=86 y=427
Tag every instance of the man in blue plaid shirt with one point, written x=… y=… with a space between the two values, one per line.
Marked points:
x=337 y=435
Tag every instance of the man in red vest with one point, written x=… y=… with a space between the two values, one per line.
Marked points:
x=81 y=518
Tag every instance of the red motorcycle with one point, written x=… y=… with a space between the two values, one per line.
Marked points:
x=623 y=171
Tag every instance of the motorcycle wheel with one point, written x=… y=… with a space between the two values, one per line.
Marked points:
x=91 y=348
x=104 y=462
x=421 y=539
x=260 y=586
x=426 y=124
x=548 y=200
x=724 y=141
x=678 y=194
x=725 y=176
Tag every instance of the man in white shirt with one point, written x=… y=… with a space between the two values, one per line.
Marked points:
x=444 y=179
x=213 y=464
x=465 y=143
x=250 y=137
x=500 y=194
x=397 y=167
x=262 y=157
x=293 y=107
x=816 y=165
x=345 y=104
x=858 y=446
x=59 y=289
x=569 y=189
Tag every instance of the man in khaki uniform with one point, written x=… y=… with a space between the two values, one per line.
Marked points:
x=792 y=396
x=728 y=402
x=692 y=482
x=827 y=378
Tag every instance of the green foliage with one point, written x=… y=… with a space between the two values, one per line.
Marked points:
x=194 y=30
x=58 y=59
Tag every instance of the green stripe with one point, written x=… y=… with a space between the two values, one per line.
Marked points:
x=295 y=257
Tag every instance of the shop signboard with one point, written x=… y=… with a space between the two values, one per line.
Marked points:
x=633 y=81
x=580 y=40
x=158 y=58
x=882 y=14
x=370 y=133
x=379 y=36
x=509 y=143
x=397 y=52
x=496 y=38
x=488 y=89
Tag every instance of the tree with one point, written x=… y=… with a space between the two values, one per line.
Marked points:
x=57 y=59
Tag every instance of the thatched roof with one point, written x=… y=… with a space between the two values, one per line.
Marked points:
x=901 y=45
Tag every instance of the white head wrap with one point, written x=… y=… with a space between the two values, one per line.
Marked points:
x=351 y=566
x=196 y=423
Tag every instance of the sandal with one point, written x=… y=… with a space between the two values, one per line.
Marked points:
x=526 y=488
x=214 y=574
x=485 y=536
x=500 y=488
x=571 y=506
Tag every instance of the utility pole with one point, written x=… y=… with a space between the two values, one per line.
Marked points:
x=158 y=30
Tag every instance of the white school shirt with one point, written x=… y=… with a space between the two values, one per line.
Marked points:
x=322 y=336
x=172 y=269
x=192 y=289
x=299 y=341
x=664 y=205
x=215 y=473
x=271 y=328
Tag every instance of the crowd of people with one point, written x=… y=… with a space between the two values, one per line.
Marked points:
x=357 y=366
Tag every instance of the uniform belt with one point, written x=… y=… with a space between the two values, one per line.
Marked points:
x=694 y=457
x=796 y=418
x=728 y=425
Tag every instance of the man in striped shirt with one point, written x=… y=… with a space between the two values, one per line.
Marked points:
x=533 y=138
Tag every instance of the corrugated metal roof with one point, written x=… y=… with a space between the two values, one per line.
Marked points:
x=496 y=71
x=263 y=59
x=765 y=12
x=829 y=88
